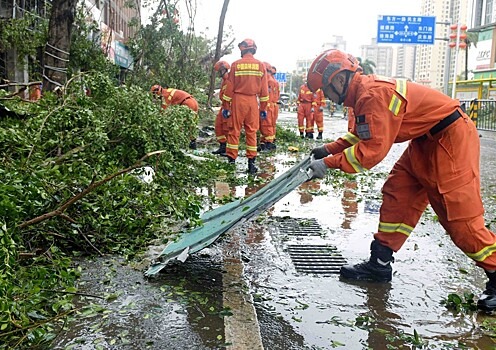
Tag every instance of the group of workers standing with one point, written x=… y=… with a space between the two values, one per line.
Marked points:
x=249 y=94
x=310 y=112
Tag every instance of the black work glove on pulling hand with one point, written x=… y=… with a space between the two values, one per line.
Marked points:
x=319 y=152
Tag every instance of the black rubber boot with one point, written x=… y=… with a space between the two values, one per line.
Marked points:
x=252 y=169
x=221 y=150
x=377 y=268
x=231 y=160
x=301 y=135
x=262 y=147
x=309 y=135
x=271 y=146
x=319 y=136
x=487 y=301
x=192 y=144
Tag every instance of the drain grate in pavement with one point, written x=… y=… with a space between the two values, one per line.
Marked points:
x=298 y=227
x=321 y=259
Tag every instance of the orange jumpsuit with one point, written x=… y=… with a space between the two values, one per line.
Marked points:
x=440 y=167
x=351 y=118
x=305 y=114
x=276 y=93
x=248 y=85
x=172 y=96
x=221 y=127
x=268 y=126
x=318 y=114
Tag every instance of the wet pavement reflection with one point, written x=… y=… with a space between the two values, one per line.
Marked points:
x=245 y=288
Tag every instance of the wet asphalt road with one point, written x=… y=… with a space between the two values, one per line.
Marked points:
x=184 y=308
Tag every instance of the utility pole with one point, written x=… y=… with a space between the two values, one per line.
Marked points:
x=447 y=60
x=458 y=36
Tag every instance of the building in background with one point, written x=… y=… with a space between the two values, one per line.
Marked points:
x=381 y=55
x=404 y=61
x=113 y=17
x=435 y=64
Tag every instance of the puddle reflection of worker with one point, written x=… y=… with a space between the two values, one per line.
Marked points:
x=305 y=190
x=349 y=203
x=266 y=172
x=379 y=314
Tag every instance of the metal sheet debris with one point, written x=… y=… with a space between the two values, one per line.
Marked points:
x=220 y=220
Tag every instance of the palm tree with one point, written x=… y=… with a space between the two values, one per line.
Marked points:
x=367 y=65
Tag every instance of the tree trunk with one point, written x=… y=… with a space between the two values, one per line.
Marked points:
x=56 y=57
x=217 y=51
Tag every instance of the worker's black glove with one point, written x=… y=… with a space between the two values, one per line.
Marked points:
x=317 y=169
x=226 y=113
x=319 y=152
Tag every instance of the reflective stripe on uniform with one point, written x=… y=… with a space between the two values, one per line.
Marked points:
x=251 y=148
x=350 y=155
x=231 y=146
x=255 y=73
x=171 y=94
x=482 y=254
x=264 y=98
x=351 y=138
x=395 y=104
x=400 y=227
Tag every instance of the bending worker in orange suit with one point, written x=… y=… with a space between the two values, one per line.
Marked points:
x=305 y=111
x=221 y=127
x=319 y=102
x=440 y=165
x=267 y=125
x=172 y=96
x=247 y=85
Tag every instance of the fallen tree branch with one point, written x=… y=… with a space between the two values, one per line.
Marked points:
x=60 y=210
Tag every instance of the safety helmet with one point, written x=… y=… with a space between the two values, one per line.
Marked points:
x=327 y=65
x=221 y=64
x=156 y=89
x=274 y=70
x=247 y=44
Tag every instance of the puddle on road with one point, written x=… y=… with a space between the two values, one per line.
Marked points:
x=182 y=308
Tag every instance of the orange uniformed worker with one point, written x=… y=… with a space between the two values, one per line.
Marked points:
x=319 y=102
x=247 y=87
x=221 y=126
x=267 y=125
x=305 y=111
x=171 y=97
x=440 y=165
x=276 y=95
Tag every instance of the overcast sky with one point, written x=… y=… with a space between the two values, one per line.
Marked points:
x=286 y=30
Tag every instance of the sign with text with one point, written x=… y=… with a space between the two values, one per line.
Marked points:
x=280 y=77
x=406 y=29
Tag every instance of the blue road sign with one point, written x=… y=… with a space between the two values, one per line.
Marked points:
x=406 y=29
x=280 y=77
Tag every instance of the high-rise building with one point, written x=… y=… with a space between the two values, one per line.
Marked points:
x=404 y=61
x=382 y=56
x=435 y=64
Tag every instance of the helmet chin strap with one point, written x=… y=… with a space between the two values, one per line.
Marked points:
x=342 y=95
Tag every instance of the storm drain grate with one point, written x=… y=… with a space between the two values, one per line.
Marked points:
x=322 y=259
x=299 y=227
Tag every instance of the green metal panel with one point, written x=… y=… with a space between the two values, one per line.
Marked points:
x=222 y=219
